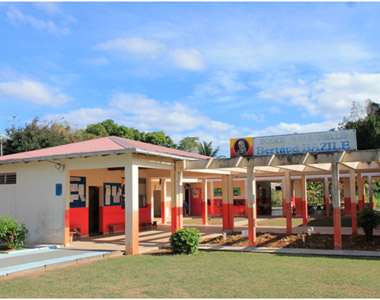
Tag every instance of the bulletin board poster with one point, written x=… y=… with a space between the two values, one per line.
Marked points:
x=237 y=191
x=77 y=191
x=217 y=192
x=112 y=194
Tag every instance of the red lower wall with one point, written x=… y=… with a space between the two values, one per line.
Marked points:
x=145 y=214
x=217 y=209
x=298 y=202
x=79 y=218
x=111 y=215
x=347 y=206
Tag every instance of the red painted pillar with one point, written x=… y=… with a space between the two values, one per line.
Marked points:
x=212 y=198
x=347 y=196
x=337 y=229
x=353 y=202
x=288 y=199
x=304 y=200
x=204 y=202
x=227 y=194
x=298 y=197
x=251 y=209
x=67 y=227
x=326 y=197
x=163 y=201
x=177 y=200
x=370 y=190
x=361 y=193
x=336 y=203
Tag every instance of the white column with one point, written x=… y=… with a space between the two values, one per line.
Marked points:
x=131 y=207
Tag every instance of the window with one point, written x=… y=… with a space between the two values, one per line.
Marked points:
x=8 y=178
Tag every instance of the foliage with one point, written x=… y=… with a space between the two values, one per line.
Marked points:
x=12 y=233
x=37 y=135
x=109 y=127
x=315 y=191
x=367 y=127
x=368 y=219
x=189 y=144
x=185 y=240
x=205 y=148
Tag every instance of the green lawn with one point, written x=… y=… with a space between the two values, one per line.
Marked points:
x=205 y=275
x=317 y=222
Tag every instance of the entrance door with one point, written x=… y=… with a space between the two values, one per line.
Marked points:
x=157 y=203
x=93 y=210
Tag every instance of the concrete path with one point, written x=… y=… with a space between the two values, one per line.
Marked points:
x=46 y=257
x=294 y=251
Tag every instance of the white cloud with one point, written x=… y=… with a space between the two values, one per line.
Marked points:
x=31 y=91
x=145 y=113
x=221 y=86
x=330 y=97
x=334 y=93
x=254 y=117
x=134 y=45
x=290 y=128
x=188 y=59
x=84 y=116
x=16 y=17
x=51 y=8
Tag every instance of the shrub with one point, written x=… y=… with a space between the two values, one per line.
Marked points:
x=185 y=240
x=368 y=219
x=12 y=233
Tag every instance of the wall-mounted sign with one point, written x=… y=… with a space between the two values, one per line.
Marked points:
x=241 y=147
x=77 y=191
x=329 y=141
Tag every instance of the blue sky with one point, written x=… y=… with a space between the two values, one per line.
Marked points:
x=212 y=70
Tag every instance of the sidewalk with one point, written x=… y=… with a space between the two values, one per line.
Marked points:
x=46 y=257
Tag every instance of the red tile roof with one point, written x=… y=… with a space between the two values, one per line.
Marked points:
x=103 y=145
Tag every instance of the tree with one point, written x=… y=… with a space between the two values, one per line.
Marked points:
x=37 y=135
x=367 y=127
x=205 y=148
x=189 y=144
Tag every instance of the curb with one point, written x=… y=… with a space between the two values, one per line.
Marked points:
x=29 y=251
x=65 y=263
x=293 y=251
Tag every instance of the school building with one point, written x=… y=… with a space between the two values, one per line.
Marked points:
x=114 y=184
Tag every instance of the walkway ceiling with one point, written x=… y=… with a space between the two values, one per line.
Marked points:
x=365 y=161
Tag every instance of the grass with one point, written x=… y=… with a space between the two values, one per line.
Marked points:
x=316 y=222
x=205 y=275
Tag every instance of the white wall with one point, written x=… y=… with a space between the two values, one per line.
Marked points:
x=32 y=200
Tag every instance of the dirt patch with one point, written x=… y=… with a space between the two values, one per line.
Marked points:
x=314 y=241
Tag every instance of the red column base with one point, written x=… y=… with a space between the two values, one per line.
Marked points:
x=361 y=204
x=337 y=229
x=204 y=212
x=228 y=217
x=288 y=218
x=163 y=212
x=353 y=218
x=252 y=238
x=304 y=213
x=176 y=218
